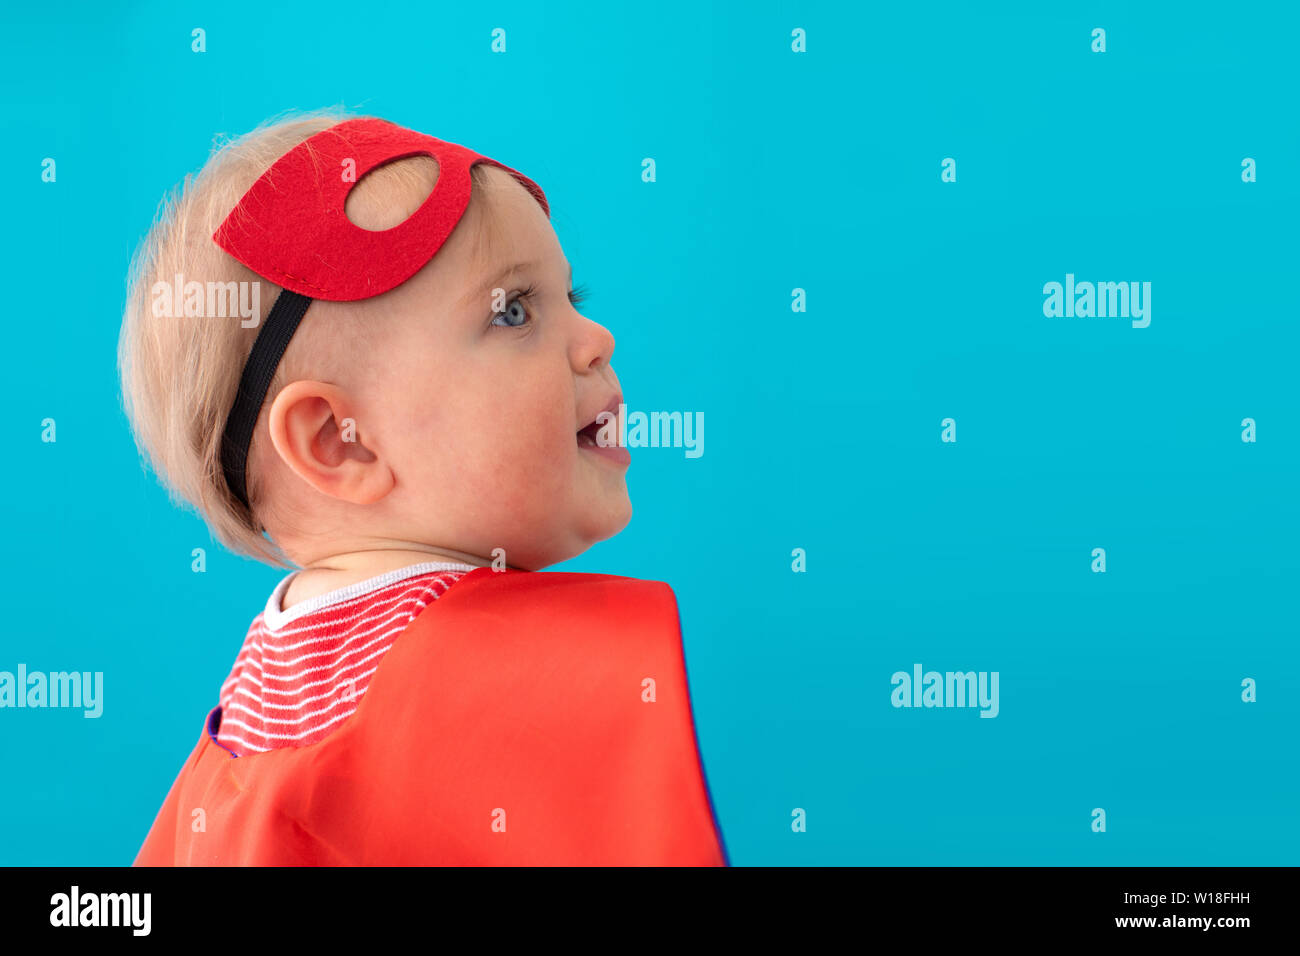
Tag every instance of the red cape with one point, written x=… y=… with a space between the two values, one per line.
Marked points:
x=505 y=726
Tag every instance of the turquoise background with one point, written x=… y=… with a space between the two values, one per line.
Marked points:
x=776 y=171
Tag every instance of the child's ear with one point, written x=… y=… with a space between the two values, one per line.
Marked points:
x=315 y=434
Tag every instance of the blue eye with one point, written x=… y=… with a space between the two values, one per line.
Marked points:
x=515 y=314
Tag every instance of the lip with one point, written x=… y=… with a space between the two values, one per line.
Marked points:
x=612 y=407
x=615 y=453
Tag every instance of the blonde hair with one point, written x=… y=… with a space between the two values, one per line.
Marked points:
x=179 y=376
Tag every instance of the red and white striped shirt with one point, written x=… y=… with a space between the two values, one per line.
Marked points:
x=303 y=671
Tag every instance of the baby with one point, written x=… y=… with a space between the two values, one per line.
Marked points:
x=356 y=350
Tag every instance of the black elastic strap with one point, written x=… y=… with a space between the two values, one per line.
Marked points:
x=268 y=348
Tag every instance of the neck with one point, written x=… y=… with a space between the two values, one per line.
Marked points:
x=371 y=561
x=330 y=572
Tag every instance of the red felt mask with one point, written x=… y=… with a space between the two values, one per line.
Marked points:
x=290 y=227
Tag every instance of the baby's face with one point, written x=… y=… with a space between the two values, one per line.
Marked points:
x=482 y=393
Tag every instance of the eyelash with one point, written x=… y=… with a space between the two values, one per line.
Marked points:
x=577 y=296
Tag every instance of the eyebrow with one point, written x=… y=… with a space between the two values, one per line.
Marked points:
x=508 y=270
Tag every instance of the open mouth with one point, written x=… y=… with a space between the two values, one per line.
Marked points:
x=587 y=436
x=607 y=417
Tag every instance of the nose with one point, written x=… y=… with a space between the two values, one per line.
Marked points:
x=593 y=346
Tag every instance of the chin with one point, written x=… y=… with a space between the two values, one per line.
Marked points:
x=616 y=517
x=615 y=521
x=625 y=516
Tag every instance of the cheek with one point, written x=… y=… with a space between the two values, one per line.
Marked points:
x=518 y=437
x=532 y=431
x=497 y=439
